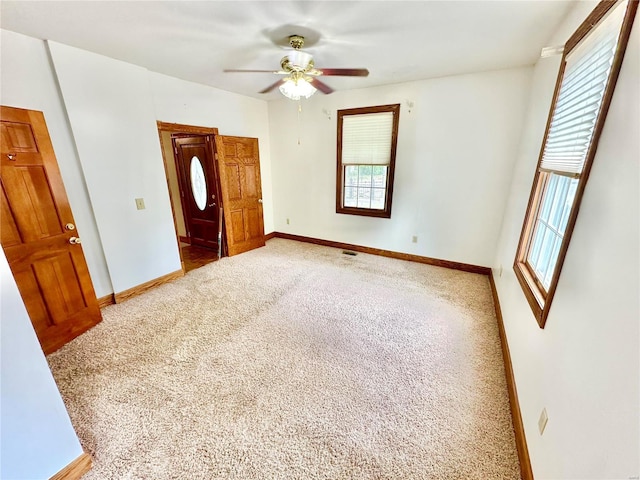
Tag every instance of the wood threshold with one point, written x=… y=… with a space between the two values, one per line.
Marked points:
x=518 y=426
x=75 y=469
x=465 y=267
x=106 y=301
x=137 y=290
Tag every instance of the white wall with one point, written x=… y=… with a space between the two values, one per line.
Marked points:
x=112 y=154
x=37 y=439
x=179 y=101
x=112 y=116
x=27 y=81
x=454 y=163
x=584 y=367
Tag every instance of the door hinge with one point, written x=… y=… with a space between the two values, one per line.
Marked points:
x=216 y=155
x=175 y=151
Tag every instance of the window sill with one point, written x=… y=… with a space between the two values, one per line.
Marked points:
x=534 y=295
x=364 y=212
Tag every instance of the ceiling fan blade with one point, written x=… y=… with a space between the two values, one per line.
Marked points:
x=271 y=87
x=345 y=72
x=276 y=72
x=323 y=87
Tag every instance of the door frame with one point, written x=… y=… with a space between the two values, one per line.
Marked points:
x=181 y=129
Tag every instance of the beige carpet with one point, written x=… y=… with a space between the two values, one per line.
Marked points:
x=295 y=361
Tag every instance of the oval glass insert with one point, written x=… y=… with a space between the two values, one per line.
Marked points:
x=198 y=183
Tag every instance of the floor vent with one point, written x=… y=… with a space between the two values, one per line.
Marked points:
x=349 y=252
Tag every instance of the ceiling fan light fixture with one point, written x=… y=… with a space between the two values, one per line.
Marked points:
x=294 y=88
x=300 y=71
x=297 y=60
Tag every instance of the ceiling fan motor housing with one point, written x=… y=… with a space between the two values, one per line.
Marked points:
x=296 y=41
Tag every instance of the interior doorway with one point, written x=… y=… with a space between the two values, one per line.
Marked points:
x=194 y=191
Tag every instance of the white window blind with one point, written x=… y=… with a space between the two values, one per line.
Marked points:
x=582 y=89
x=366 y=139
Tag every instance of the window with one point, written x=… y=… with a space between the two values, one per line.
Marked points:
x=367 y=139
x=588 y=72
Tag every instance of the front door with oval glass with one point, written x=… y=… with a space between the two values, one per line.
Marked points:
x=199 y=189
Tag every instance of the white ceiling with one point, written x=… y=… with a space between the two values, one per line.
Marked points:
x=397 y=41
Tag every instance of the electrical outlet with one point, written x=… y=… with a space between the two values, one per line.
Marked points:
x=287 y=221
x=414 y=239
x=140 y=203
x=542 y=421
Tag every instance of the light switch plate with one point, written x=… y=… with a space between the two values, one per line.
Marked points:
x=140 y=203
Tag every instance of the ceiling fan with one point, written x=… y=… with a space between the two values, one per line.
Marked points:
x=301 y=75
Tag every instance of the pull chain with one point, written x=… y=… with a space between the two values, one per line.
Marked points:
x=299 y=111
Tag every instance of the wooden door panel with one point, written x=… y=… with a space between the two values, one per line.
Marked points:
x=237 y=226
x=51 y=272
x=229 y=150
x=9 y=234
x=28 y=191
x=246 y=148
x=239 y=166
x=202 y=231
x=253 y=224
x=24 y=255
x=250 y=182
x=60 y=286
x=36 y=307
x=19 y=137
x=234 y=182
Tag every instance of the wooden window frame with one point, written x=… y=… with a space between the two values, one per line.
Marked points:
x=537 y=296
x=368 y=212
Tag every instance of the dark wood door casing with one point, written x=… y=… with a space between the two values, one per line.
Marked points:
x=38 y=233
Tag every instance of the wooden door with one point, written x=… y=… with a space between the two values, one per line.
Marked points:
x=38 y=233
x=239 y=168
x=198 y=188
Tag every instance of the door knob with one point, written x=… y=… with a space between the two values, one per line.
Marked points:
x=259 y=200
x=74 y=241
x=70 y=226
